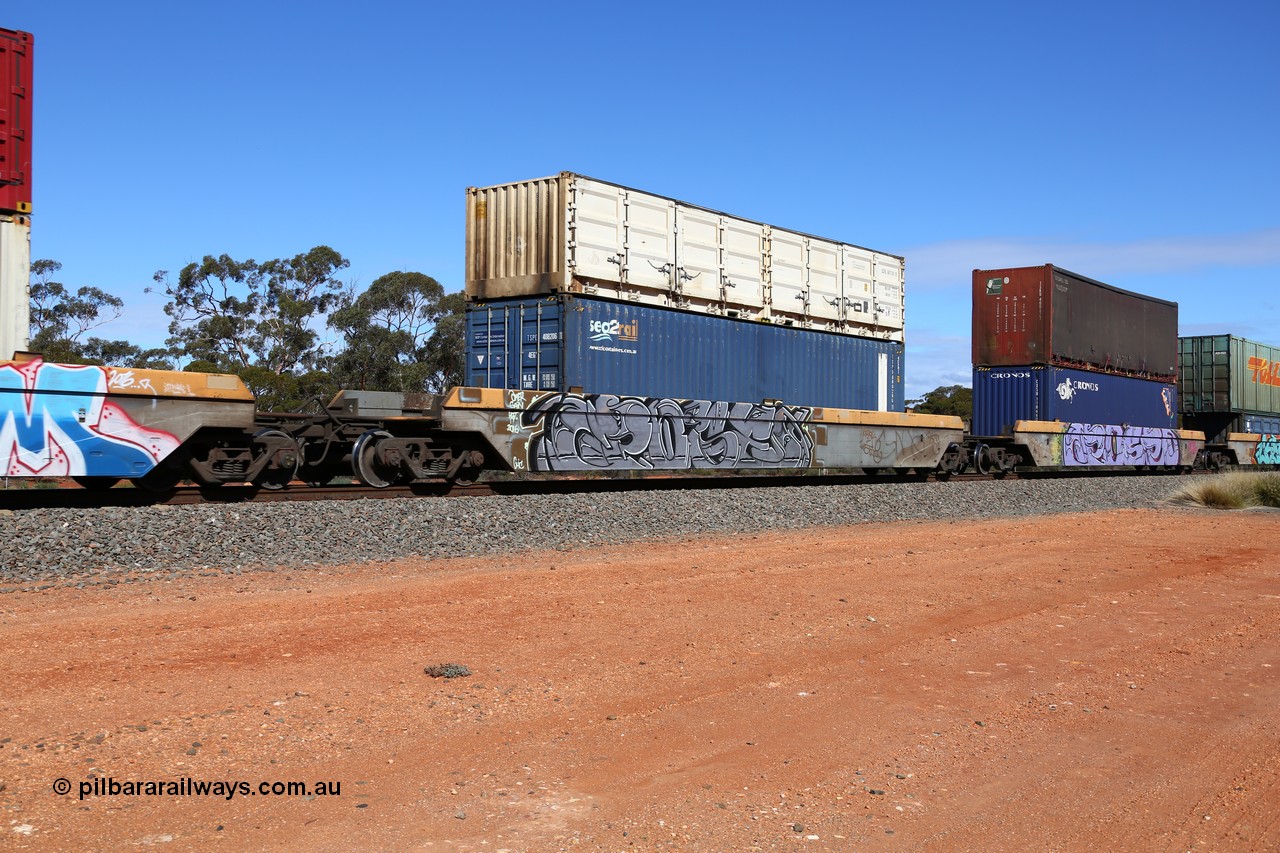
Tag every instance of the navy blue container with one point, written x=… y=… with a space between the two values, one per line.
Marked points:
x=1260 y=424
x=1004 y=395
x=571 y=342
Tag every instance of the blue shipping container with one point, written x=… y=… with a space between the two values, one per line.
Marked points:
x=1004 y=395
x=570 y=342
x=1261 y=424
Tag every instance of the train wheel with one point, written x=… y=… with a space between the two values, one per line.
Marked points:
x=982 y=459
x=953 y=461
x=285 y=458
x=366 y=465
x=471 y=468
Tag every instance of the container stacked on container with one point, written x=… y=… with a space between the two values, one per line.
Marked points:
x=16 y=66
x=576 y=284
x=1228 y=384
x=1053 y=345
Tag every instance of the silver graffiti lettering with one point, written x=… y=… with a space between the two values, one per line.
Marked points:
x=611 y=432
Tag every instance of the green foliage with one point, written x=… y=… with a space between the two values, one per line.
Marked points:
x=402 y=334
x=263 y=322
x=1268 y=491
x=446 y=348
x=945 y=400
x=241 y=314
x=285 y=391
x=60 y=319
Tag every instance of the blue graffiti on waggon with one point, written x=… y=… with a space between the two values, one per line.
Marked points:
x=1268 y=452
x=57 y=421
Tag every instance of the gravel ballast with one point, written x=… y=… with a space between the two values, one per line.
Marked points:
x=57 y=545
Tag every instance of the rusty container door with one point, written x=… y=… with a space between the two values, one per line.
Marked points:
x=1047 y=315
x=15 y=121
x=1011 y=311
x=516 y=239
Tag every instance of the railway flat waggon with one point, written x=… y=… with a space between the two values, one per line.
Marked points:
x=102 y=424
x=565 y=431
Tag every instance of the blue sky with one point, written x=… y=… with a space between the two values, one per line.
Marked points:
x=1135 y=143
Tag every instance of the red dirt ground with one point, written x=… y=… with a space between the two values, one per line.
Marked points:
x=1105 y=681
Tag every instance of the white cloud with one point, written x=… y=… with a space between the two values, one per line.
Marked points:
x=936 y=359
x=940 y=265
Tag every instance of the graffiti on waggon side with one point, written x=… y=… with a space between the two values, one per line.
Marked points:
x=612 y=432
x=1268 y=450
x=1110 y=444
x=55 y=421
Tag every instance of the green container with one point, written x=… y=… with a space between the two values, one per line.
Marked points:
x=1227 y=374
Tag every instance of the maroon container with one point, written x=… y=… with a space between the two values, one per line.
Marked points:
x=15 y=121
x=1047 y=315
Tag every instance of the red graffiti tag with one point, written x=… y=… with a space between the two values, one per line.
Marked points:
x=1265 y=372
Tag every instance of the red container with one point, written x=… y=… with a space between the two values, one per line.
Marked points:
x=15 y=121
x=1047 y=315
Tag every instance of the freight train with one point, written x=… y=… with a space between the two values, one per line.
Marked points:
x=611 y=330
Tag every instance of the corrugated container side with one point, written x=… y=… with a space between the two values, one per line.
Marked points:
x=16 y=65
x=601 y=346
x=515 y=239
x=576 y=234
x=15 y=269
x=1004 y=395
x=1047 y=315
x=1258 y=424
x=1225 y=373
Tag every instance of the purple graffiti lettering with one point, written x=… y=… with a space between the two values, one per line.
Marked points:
x=1109 y=444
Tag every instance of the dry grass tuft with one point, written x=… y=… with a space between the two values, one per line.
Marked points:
x=1234 y=490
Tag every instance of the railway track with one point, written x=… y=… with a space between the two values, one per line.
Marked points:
x=69 y=496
